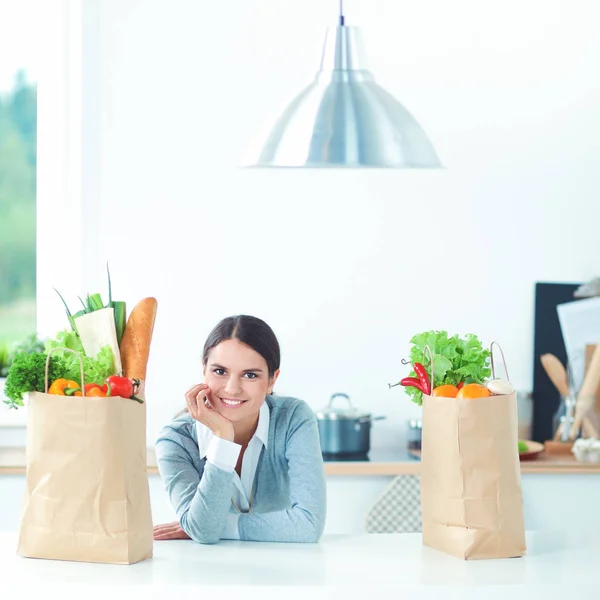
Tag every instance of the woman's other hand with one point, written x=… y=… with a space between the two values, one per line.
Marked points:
x=170 y=531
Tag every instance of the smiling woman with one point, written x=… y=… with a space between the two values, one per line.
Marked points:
x=240 y=462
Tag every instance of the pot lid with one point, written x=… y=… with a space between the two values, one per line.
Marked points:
x=341 y=412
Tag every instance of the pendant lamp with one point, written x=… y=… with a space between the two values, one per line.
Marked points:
x=344 y=119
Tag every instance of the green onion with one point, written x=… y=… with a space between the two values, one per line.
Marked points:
x=95 y=302
x=120 y=316
x=110 y=302
x=69 y=315
x=120 y=310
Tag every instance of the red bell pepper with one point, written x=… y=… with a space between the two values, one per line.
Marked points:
x=123 y=387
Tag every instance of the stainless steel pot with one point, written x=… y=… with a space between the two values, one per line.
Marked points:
x=344 y=432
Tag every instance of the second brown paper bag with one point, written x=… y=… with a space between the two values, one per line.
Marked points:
x=471 y=496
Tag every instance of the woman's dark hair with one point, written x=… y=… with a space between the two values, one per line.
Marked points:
x=251 y=331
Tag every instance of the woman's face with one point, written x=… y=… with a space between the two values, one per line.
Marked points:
x=238 y=379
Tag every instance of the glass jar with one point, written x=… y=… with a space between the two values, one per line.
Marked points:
x=564 y=416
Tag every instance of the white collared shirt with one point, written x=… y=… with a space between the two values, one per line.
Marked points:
x=224 y=455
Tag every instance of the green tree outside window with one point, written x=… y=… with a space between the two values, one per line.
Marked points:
x=18 y=129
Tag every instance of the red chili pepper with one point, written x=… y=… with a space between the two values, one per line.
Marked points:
x=423 y=378
x=412 y=382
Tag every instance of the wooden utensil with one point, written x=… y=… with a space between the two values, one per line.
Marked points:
x=587 y=394
x=556 y=372
x=589 y=352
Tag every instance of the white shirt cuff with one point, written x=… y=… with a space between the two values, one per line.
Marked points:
x=223 y=453
x=231 y=531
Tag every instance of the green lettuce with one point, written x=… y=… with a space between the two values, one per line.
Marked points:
x=455 y=359
x=95 y=370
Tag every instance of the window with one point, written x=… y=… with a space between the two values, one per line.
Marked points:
x=41 y=49
x=18 y=133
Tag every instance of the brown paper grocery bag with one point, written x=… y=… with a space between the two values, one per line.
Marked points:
x=471 y=498
x=87 y=496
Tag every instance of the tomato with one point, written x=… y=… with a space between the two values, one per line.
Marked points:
x=120 y=386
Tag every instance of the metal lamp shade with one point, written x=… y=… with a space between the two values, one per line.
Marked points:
x=345 y=119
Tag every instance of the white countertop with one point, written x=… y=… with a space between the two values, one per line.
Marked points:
x=559 y=563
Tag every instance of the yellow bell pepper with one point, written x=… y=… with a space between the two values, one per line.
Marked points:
x=64 y=387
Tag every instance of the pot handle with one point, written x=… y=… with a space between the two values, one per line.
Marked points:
x=369 y=419
x=338 y=394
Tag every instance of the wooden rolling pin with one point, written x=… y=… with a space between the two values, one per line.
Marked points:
x=587 y=393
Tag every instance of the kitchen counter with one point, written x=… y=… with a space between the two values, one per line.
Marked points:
x=380 y=463
x=560 y=562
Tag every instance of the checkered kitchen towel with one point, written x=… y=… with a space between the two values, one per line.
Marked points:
x=398 y=509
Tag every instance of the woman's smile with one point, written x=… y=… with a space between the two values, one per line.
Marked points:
x=232 y=402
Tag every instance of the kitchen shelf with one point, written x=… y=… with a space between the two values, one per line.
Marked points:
x=12 y=462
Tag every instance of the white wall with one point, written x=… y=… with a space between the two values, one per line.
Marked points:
x=345 y=265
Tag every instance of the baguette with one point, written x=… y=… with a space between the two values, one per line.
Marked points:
x=135 y=345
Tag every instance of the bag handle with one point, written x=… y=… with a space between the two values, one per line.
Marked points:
x=425 y=350
x=503 y=360
x=80 y=366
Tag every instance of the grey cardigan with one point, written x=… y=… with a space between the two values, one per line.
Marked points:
x=289 y=494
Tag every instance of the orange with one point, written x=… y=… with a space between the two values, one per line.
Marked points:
x=445 y=391
x=473 y=390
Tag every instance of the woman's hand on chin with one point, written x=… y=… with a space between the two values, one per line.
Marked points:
x=200 y=406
